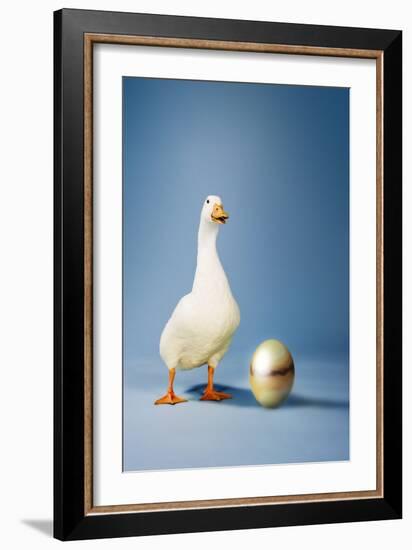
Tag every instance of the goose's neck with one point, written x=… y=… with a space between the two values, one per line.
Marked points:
x=209 y=270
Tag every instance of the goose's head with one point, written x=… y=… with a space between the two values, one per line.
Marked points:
x=213 y=211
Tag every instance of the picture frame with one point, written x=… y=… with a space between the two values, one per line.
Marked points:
x=76 y=32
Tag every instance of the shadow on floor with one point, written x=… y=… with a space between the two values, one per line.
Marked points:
x=45 y=526
x=244 y=398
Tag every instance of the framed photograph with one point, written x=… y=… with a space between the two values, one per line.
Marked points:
x=228 y=274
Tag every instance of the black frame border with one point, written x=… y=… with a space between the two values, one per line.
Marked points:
x=70 y=521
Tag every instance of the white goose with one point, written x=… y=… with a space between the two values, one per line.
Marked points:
x=201 y=327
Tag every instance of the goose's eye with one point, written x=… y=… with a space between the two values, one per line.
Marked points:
x=207 y=201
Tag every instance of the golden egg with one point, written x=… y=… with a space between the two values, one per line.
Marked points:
x=272 y=373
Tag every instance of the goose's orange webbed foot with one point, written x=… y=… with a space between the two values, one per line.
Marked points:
x=210 y=394
x=213 y=395
x=170 y=399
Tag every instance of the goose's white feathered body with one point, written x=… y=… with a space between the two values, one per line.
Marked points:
x=202 y=325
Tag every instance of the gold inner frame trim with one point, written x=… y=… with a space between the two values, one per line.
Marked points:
x=89 y=40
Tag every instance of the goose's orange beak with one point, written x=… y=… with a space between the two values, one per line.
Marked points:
x=218 y=214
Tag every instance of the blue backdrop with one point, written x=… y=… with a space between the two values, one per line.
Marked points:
x=279 y=158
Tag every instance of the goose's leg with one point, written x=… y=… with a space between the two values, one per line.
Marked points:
x=170 y=398
x=210 y=394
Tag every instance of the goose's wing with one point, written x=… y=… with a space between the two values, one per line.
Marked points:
x=181 y=325
x=183 y=313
